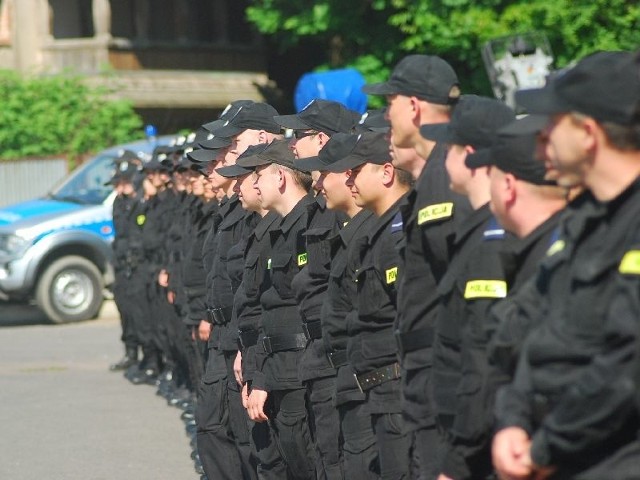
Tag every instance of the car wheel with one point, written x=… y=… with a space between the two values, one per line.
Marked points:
x=70 y=290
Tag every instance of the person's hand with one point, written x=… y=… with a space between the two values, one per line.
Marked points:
x=171 y=296
x=511 y=454
x=245 y=396
x=255 y=406
x=163 y=278
x=204 y=330
x=442 y=476
x=237 y=368
x=539 y=473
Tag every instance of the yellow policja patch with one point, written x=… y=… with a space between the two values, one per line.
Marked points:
x=302 y=259
x=435 y=212
x=630 y=263
x=140 y=219
x=392 y=275
x=485 y=289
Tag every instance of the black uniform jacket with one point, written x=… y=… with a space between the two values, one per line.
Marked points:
x=371 y=340
x=574 y=388
x=280 y=314
x=342 y=301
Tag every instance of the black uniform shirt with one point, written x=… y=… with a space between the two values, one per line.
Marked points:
x=310 y=284
x=431 y=214
x=453 y=308
x=371 y=341
x=470 y=436
x=573 y=390
x=342 y=297
x=280 y=314
x=247 y=306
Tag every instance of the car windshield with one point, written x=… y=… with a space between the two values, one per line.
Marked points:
x=86 y=185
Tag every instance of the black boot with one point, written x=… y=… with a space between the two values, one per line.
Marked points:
x=130 y=358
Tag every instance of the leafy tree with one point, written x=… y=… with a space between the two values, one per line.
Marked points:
x=55 y=115
x=372 y=35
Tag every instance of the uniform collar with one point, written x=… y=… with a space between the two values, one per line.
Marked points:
x=264 y=224
x=294 y=215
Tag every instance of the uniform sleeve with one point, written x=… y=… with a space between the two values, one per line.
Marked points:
x=594 y=409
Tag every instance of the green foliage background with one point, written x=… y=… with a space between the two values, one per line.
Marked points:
x=56 y=115
x=372 y=35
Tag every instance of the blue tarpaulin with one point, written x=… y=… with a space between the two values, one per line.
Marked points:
x=342 y=86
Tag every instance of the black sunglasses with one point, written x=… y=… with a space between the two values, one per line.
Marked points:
x=298 y=134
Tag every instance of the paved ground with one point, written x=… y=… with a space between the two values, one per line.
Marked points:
x=64 y=416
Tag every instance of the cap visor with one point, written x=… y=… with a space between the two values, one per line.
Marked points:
x=541 y=101
x=215 y=142
x=480 y=158
x=233 y=171
x=252 y=161
x=310 y=164
x=203 y=155
x=291 y=121
x=346 y=163
x=526 y=125
x=215 y=125
x=228 y=131
x=383 y=88
x=438 y=132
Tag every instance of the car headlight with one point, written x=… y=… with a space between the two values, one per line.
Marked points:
x=12 y=245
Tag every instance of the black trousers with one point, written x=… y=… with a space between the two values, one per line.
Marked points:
x=325 y=425
x=394 y=444
x=216 y=444
x=289 y=420
x=128 y=308
x=359 y=448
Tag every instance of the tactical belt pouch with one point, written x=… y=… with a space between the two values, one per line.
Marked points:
x=279 y=343
x=413 y=340
x=366 y=381
x=219 y=316
x=312 y=330
x=248 y=338
x=338 y=358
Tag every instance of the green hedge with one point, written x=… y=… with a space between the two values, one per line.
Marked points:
x=59 y=115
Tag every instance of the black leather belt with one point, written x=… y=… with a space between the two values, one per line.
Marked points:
x=278 y=343
x=312 y=330
x=248 y=338
x=366 y=381
x=413 y=340
x=219 y=316
x=337 y=358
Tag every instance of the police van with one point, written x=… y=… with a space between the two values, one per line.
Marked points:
x=55 y=251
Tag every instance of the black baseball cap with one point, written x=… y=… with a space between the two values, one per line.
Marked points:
x=603 y=85
x=427 y=77
x=233 y=171
x=374 y=121
x=321 y=115
x=344 y=152
x=277 y=151
x=213 y=142
x=229 y=111
x=203 y=155
x=474 y=121
x=512 y=153
x=255 y=116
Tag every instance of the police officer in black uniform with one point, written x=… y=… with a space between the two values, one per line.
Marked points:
x=475 y=278
x=422 y=89
x=357 y=443
x=277 y=394
x=312 y=128
x=570 y=411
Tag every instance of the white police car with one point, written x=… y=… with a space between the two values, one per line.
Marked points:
x=56 y=250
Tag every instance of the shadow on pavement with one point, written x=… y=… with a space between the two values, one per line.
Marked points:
x=16 y=315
